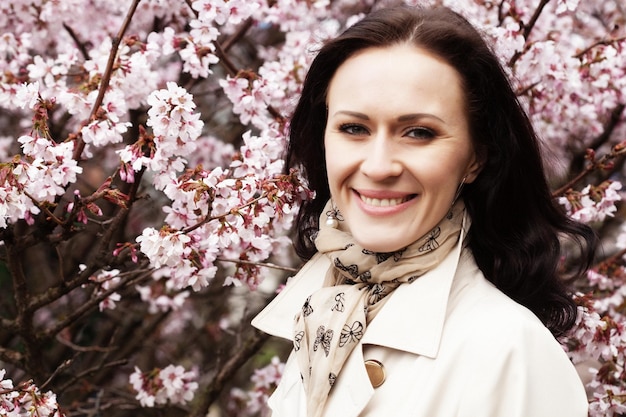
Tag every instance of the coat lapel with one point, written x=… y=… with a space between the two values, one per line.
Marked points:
x=277 y=318
x=412 y=319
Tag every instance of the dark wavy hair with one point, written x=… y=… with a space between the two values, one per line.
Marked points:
x=516 y=224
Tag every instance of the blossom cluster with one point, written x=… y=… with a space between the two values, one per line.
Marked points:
x=594 y=203
x=171 y=384
x=596 y=347
x=26 y=399
x=253 y=402
x=105 y=281
x=36 y=178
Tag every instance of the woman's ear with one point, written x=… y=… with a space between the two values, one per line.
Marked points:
x=475 y=166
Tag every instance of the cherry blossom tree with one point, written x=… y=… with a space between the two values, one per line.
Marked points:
x=145 y=214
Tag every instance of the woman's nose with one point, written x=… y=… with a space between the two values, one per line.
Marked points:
x=381 y=160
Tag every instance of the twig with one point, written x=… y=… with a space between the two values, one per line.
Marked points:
x=66 y=363
x=228 y=64
x=106 y=76
x=190 y=4
x=223 y=215
x=91 y=370
x=533 y=20
x=78 y=348
x=11 y=356
x=613 y=258
x=90 y=305
x=54 y=293
x=588 y=169
x=262 y=264
x=135 y=336
x=8 y=325
x=80 y=45
x=104 y=251
x=568 y=185
x=226 y=373
x=527 y=29
x=241 y=30
x=610 y=126
x=24 y=323
x=604 y=42
x=501 y=13
x=43 y=208
x=600 y=140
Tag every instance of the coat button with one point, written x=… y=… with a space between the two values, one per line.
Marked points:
x=375 y=371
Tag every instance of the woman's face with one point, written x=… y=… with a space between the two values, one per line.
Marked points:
x=397 y=144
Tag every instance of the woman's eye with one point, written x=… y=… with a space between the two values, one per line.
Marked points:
x=421 y=133
x=352 y=129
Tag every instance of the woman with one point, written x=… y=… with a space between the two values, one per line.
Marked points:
x=433 y=241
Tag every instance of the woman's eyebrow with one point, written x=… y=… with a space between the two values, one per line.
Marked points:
x=352 y=113
x=415 y=116
x=403 y=118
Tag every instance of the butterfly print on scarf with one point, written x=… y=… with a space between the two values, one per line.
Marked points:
x=297 y=339
x=351 y=334
x=377 y=293
x=332 y=378
x=306 y=308
x=365 y=276
x=431 y=242
x=353 y=270
x=339 y=303
x=383 y=256
x=324 y=337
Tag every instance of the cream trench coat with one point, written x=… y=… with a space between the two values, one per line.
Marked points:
x=452 y=345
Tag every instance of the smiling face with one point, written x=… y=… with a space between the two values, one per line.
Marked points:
x=397 y=144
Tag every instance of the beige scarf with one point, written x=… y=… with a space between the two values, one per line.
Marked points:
x=334 y=318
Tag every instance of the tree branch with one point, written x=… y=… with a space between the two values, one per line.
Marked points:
x=262 y=264
x=605 y=42
x=91 y=370
x=241 y=31
x=24 y=320
x=226 y=373
x=610 y=126
x=11 y=356
x=80 y=45
x=90 y=305
x=106 y=75
x=601 y=139
x=528 y=27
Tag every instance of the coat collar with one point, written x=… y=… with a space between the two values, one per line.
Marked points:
x=420 y=305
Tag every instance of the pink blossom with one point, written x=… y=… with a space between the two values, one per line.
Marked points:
x=161 y=302
x=164 y=248
x=104 y=281
x=26 y=399
x=593 y=204
x=264 y=381
x=171 y=384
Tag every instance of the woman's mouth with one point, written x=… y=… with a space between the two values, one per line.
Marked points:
x=386 y=202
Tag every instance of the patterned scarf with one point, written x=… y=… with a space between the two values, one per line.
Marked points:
x=334 y=318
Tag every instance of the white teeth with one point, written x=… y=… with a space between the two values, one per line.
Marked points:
x=382 y=202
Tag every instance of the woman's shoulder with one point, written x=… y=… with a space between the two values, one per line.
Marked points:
x=480 y=308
